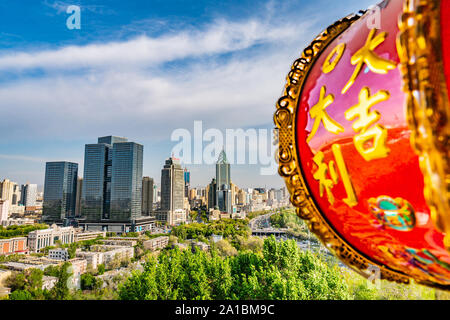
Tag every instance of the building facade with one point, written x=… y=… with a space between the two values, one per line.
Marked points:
x=4 y=210
x=40 y=239
x=29 y=195
x=13 y=245
x=223 y=184
x=60 y=190
x=187 y=182
x=172 y=192
x=58 y=254
x=112 y=185
x=10 y=191
x=78 y=197
x=147 y=196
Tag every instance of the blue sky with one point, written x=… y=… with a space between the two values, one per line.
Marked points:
x=142 y=69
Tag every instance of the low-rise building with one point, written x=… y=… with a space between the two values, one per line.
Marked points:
x=18 y=222
x=58 y=254
x=89 y=235
x=114 y=252
x=93 y=259
x=200 y=245
x=40 y=239
x=79 y=266
x=156 y=243
x=13 y=245
x=123 y=242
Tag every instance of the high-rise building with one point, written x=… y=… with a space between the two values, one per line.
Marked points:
x=10 y=191
x=155 y=193
x=4 y=209
x=187 y=182
x=78 y=197
x=223 y=181
x=126 y=181
x=192 y=194
x=211 y=194
x=29 y=194
x=172 y=192
x=147 y=196
x=112 y=186
x=96 y=193
x=60 y=190
x=16 y=195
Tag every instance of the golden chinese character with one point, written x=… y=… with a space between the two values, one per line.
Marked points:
x=329 y=65
x=318 y=113
x=366 y=117
x=365 y=55
x=351 y=199
x=327 y=184
x=320 y=175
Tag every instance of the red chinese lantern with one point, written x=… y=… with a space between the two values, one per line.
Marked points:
x=364 y=127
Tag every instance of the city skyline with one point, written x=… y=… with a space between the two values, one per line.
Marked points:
x=163 y=67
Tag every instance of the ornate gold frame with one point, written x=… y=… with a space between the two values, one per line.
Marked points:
x=284 y=119
x=428 y=108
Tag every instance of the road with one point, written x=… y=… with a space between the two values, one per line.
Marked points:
x=261 y=222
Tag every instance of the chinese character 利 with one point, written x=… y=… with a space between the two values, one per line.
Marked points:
x=326 y=184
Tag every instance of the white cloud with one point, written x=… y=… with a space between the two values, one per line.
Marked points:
x=218 y=38
x=132 y=97
x=127 y=89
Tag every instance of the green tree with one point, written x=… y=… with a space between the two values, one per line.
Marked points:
x=101 y=268
x=61 y=289
x=72 y=250
x=90 y=282
x=52 y=271
x=30 y=281
x=20 y=295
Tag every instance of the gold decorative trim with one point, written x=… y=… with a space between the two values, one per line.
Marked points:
x=428 y=108
x=284 y=119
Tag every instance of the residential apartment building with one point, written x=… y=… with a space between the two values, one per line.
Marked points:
x=13 y=245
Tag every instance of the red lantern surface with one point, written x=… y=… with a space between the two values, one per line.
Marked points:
x=352 y=149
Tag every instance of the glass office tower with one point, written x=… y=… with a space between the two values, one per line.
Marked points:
x=126 y=181
x=60 y=190
x=112 y=168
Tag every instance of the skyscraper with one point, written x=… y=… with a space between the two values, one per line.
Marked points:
x=112 y=186
x=60 y=190
x=187 y=182
x=10 y=191
x=78 y=197
x=211 y=194
x=147 y=196
x=4 y=210
x=172 y=192
x=17 y=195
x=223 y=184
x=29 y=193
x=96 y=193
x=126 y=181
